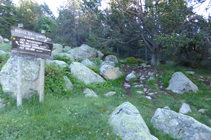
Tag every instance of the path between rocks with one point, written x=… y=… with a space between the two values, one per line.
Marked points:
x=144 y=71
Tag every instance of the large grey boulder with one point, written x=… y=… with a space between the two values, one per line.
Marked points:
x=58 y=62
x=110 y=72
x=85 y=74
x=83 y=52
x=57 y=48
x=128 y=123
x=6 y=40
x=30 y=76
x=180 y=83
x=179 y=126
x=66 y=48
x=130 y=76
x=68 y=83
x=87 y=62
x=112 y=58
x=1 y=39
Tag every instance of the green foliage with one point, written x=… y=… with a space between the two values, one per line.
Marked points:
x=97 y=61
x=44 y=23
x=62 y=58
x=27 y=13
x=95 y=68
x=3 y=60
x=7 y=18
x=133 y=61
x=165 y=77
x=54 y=83
x=133 y=80
x=5 y=47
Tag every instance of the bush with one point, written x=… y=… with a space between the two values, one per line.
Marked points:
x=134 y=62
x=62 y=58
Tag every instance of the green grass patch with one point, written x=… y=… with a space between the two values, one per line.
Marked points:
x=71 y=115
x=5 y=47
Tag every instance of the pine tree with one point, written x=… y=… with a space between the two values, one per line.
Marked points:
x=7 y=17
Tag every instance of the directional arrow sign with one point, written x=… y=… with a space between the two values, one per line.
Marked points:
x=15 y=31
x=29 y=47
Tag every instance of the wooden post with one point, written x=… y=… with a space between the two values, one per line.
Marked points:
x=19 y=77
x=42 y=78
x=20 y=25
x=19 y=82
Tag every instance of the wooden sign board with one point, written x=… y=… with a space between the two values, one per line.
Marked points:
x=30 y=47
x=15 y=31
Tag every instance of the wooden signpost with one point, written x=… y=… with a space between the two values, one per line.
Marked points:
x=30 y=44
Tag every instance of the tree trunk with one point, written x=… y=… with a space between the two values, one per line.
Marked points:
x=117 y=49
x=155 y=60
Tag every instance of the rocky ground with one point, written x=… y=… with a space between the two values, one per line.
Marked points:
x=146 y=73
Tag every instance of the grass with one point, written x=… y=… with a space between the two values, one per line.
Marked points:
x=5 y=47
x=71 y=115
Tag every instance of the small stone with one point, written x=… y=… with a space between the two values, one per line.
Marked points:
x=150 y=73
x=145 y=89
x=151 y=78
x=148 y=97
x=109 y=94
x=161 y=86
x=140 y=92
x=150 y=93
x=202 y=110
x=89 y=93
x=185 y=109
x=156 y=75
x=167 y=107
x=139 y=74
x=139 y=85
x=190 y=72
x=131 y=76
x=208 y=99
x=127 y=85
x=201 y=77
x=142 y=78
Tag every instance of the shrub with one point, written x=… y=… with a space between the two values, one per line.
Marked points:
x=133 y=61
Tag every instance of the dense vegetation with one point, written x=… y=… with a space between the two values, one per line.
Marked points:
x=158 y=30
x=68 y=114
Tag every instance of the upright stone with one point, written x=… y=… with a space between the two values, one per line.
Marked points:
x=1 y=39
x=179 y=126
x=85 y=74
x=83 y=52
x=128 y=123
x=30 y=76
x=110 y=72
x=180 y=83
x=57 y=49
x=68 y=83
x=112 y=58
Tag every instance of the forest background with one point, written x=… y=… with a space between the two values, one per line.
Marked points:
x=157 y=31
